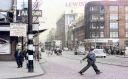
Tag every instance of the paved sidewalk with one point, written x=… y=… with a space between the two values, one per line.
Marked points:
x=9 y=70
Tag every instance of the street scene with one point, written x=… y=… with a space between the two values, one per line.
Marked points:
x=64 y=39
x=68 y=65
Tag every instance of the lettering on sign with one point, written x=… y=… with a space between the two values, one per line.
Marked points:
x=18 y=29
x=75 y=4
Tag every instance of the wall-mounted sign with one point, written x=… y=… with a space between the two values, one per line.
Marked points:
x=35 y=13
x=18 y=29
x=4 y=44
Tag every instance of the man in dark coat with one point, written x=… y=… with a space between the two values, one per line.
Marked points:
x=19 y=58
x=91 y=58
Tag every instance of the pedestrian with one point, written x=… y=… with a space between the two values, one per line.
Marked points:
x=55 y=51
x=19 y=57
x=91 y=58
x=60 y=51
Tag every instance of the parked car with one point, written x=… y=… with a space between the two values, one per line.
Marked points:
x=65 y=48
x=100 y=53
x=81 y=50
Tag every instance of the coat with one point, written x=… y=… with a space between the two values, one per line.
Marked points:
x=19 y=56
x=90 y=57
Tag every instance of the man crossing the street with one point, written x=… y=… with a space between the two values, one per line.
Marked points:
x=91 y=58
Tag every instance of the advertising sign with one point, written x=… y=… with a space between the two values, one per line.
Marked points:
x=18 y=29
x=4 y=44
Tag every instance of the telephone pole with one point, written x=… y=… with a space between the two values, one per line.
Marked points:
x=30 y=38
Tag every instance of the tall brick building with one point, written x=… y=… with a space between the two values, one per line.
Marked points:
x=106 y=23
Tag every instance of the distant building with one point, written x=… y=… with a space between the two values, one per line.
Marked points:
x=106 y=23
x=60 y=30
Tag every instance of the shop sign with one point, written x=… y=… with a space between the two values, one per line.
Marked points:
x=18 y=29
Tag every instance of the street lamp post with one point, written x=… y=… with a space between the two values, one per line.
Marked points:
x=30 y=38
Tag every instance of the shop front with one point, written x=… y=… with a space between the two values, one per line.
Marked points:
x=7 y=43
x=102 y=42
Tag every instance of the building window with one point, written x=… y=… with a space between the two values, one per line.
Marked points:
x=94 y=8
x=126 y=26
x=94 y=17
x=102 y=25
x=93 y=35
x=101 y=17
x=101 y=34
x=113 y=9
x=126 y=34
x=91 y=8
x=102 y=9
x=113 y=25
x=113 y=34
x=93 y=26
x=69 y=18
x=126 y=9
x=126 y=17
x=113 y=16
x=126 y=13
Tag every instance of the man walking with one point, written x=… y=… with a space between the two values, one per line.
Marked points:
x=91 y=58
x=19 y=58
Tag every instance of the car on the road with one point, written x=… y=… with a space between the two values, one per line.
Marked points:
x=65 y=48
x=100 y=53
x=81 y=50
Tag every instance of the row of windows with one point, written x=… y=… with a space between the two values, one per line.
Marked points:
x=112 y=34
x=113 y=13
x=94 y=34
x=114 y=17
x=113 y=9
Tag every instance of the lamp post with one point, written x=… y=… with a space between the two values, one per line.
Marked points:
x=30 y=38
